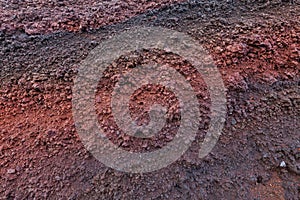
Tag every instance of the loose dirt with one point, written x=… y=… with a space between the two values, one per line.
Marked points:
x=256 y=47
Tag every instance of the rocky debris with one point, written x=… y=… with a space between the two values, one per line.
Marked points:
x=11 y=171
x=42 y=156
x=282 y=164
x=41 y=17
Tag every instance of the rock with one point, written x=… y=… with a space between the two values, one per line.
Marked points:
x=36 y=87
x=51 y=132
x=282 y=164
x=11 y=171
x=238 y=48
x=219 y=49
x=39 y=77
x=233 y=122
x=58 y=178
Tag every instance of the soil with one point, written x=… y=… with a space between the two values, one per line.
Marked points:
x=256 y=47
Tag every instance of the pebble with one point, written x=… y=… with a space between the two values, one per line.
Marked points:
x=11 y=171
x=282 y=164
x=233 y=122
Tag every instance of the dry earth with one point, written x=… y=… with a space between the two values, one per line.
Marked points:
x=256 y=47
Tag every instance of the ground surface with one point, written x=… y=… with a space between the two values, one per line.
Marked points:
x=256 y=47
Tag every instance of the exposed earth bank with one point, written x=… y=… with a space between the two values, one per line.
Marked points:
x=256 y=47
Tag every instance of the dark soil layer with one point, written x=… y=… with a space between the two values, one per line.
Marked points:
x=256 y=47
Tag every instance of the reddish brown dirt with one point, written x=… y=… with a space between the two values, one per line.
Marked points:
x=272 y=190
x=47 y=16
x=256 y=50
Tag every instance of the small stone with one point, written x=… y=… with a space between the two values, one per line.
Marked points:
x=219 y=49
x=238 y=48
x=233 y=122
x=51 y=132
x=57 y=178
x=94 y=43
x=11 y=171
x=36 y=87
x=282 y=164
